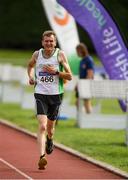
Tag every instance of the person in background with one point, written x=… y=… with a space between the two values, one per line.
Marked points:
x=86 y=71
x=51 y=69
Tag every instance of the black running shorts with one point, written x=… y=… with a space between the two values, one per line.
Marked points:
x=48 y=105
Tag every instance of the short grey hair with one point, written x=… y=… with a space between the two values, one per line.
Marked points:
x=49 y=33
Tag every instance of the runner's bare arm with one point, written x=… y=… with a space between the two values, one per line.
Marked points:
x=67 y=74
x=30 y=67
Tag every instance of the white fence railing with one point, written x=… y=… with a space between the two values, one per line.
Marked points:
x=14 y=85
x=12 y=81
x=98 y=88
x=112 y=89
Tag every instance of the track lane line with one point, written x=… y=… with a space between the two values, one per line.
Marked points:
x=14 y=168
x=64 y=148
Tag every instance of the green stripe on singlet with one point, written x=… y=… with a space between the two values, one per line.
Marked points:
x=61 y=84
x=61 y=68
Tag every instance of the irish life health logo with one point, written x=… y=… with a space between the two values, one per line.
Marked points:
x=95 y=11
x=61 y=17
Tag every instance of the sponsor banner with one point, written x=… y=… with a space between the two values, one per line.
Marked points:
x=105 y=35
x=64 y=26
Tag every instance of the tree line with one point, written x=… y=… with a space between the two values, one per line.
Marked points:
x=22 y=23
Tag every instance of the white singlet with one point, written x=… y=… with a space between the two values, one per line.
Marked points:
x=46 y=83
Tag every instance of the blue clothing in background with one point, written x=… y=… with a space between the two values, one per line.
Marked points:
x=85 y=64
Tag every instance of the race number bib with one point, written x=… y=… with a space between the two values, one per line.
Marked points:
x=46 y=78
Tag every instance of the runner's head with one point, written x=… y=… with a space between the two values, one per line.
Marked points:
x=49 y=40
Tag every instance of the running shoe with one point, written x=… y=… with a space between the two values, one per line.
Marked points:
x=49 y=145
x=42 y=163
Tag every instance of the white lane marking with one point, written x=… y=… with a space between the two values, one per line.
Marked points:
x=17 y=170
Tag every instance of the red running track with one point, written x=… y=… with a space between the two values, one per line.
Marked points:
x=19 y=158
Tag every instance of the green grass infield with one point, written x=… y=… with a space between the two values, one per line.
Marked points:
x=101 y=144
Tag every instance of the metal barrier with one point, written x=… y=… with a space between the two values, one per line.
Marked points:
x=112 y=89
x=11 y=83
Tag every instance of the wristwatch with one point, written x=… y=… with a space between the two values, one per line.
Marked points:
x=57 y=72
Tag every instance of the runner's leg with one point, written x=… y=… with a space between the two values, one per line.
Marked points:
x=42 y=119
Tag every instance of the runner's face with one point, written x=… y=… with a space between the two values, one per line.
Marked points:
x=49 y=43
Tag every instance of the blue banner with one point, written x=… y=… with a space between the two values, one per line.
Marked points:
x=105 y=35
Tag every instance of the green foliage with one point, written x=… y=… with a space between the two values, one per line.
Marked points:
x=22 y=23
x=118 y=11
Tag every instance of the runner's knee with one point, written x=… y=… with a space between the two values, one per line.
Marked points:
x=42 y=123
x=42 y=127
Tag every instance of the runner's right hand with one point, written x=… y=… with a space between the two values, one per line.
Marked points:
x=31 y=81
